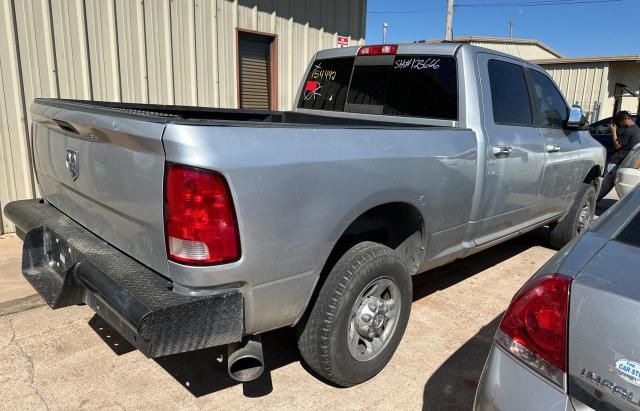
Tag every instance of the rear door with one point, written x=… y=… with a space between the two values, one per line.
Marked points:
x=515 y=156
x=565 y=168
x=604 y=327
x=105 y=170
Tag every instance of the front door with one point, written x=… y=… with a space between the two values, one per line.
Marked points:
x=564 y=169
x=514 y=149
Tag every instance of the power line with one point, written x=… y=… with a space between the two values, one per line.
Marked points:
x=533 y=3
x=537 y=3
x=405 y=11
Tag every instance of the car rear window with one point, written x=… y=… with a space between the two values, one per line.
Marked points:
x=327 y=84
x=630 y=234
x=413 y=85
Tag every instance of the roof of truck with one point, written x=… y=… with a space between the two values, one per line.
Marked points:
x=403 y=48
x=443 y=48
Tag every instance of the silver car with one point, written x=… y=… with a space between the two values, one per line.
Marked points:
x=628 y=175
x=570 y=338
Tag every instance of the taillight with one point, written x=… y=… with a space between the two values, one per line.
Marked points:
x=200 y=222
x=534 y=328
x=378 y=50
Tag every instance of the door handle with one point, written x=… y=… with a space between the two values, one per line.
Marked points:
x=502 y=151
x=552 y=148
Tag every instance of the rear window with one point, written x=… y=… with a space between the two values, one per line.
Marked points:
x=414 y=85
x=327 y=84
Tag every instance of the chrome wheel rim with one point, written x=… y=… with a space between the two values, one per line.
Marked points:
x=585 y=216
x=373 y=319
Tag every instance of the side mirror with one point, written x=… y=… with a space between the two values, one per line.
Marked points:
x=576 y=118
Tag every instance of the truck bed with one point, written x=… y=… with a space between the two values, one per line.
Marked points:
x=297 y=180
x=219 y=116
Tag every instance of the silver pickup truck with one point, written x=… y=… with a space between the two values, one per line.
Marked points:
x=187 y=227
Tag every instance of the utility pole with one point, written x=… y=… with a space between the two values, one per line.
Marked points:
x=510 y=29
x=385 y=26
x=448 y=34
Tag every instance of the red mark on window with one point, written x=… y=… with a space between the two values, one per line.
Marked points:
x=311 y=86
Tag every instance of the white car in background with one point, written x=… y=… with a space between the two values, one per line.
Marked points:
x=628 y=174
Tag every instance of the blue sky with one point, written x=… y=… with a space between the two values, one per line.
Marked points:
x=573 y=30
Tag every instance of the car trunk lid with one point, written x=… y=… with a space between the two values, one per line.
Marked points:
x=104 y=168
x=604 y=354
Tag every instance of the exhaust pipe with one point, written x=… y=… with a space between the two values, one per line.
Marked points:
x=245 y=361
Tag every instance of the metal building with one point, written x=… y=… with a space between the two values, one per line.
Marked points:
x=522 y=48
x=218 y=53
x=602 y=85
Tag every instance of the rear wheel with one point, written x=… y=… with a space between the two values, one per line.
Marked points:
x=577 y=218
x=359 y=317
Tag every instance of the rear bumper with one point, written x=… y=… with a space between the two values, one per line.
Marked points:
x=68 y=265
x=507 y=385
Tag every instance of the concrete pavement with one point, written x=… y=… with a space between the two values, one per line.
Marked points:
x=70 y=359
x=13 y=285
x=15 y=293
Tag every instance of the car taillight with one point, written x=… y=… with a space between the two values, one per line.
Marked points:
x=200 y=221
x=378 y=50
x=534 y=328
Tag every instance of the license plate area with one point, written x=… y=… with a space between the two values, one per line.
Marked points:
x=47 y=262
x=59 y=255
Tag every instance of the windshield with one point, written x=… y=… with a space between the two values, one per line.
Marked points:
x=412 y=85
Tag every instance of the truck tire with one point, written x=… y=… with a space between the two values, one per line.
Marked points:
x=577 y=218
x=359 y=317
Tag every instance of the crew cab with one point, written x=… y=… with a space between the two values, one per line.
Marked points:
x=191 y=227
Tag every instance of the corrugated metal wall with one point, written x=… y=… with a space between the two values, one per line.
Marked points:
x=582 y=83
x=587 y=83
x=156 y=51
x=524 y=51
x=625 y=73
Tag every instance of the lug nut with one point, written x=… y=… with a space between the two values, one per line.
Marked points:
x=372 y=306
x=366 y=317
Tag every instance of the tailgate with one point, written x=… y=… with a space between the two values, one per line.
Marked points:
x=104 y=168
x=604 y=330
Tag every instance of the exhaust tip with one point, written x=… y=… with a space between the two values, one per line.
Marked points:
x=245 y=360
x=246 y=369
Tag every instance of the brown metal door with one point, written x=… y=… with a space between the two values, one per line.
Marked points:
x=254 y=71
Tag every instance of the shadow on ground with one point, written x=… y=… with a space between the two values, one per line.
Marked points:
x=453 y=385
x=204 y=372
x=457 y=271
x=604 y=204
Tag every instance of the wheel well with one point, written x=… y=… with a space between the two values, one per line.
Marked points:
x=594 y=173
x=396 y=225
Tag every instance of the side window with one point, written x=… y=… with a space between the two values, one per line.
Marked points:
x=552 y=109
x=509 y=94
